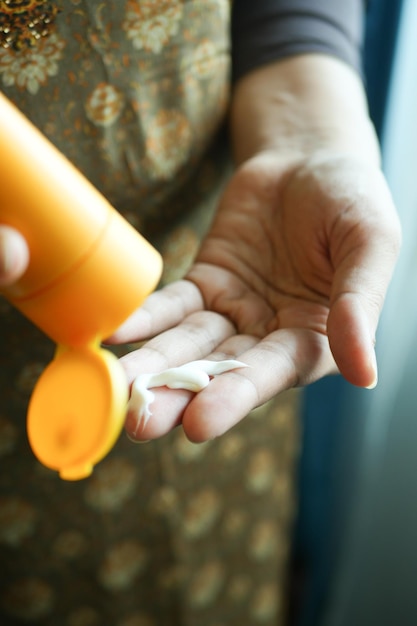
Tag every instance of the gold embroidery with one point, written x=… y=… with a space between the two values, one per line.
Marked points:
x=24 y=22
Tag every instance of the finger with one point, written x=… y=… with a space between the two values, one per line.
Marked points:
x=161 y=310
x=360 y=286
x=285 y=359
x=169 y=405
x=167 y=410
x=352 y=336
x=14 y=255
x=195 y=338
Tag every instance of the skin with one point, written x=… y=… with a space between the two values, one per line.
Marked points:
x=292 y=276
x=14 y=255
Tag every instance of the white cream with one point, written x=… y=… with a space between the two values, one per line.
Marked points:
x=193 y=376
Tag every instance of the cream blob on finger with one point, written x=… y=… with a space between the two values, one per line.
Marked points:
x=193 y=376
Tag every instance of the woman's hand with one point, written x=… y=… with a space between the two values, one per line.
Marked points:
x=290 y=280
x=292 y=276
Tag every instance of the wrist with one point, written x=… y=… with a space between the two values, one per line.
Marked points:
x=300 y=106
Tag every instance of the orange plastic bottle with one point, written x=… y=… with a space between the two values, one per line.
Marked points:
x=88 y=271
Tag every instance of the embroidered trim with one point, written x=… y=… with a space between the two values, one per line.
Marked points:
x=23 y=23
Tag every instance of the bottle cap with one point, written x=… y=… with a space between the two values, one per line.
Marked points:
x=77 y=410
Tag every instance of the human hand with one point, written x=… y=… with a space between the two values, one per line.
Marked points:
x=292 y=276
x=290 y=280
x=14 y=255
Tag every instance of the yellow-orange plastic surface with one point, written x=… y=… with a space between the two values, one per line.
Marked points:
x=89 y=270
x=75 y=410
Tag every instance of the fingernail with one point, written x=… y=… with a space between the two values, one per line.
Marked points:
x=133 y=427
x=375 y=370
x=136 y=440
x=14 y=258
x=7 y=260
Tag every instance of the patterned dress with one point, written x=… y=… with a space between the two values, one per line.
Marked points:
x=168 y=533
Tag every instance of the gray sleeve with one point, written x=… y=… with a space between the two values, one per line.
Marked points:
x=266 y=30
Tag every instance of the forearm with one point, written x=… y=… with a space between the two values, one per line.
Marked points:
x=300 y=105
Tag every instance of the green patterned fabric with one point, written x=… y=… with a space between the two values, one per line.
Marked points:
x=167 y=533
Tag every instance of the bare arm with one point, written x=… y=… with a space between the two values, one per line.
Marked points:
x=300 y=105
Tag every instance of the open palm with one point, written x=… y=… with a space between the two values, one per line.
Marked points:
x=290 y=280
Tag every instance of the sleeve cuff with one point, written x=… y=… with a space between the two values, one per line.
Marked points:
x=264 y=31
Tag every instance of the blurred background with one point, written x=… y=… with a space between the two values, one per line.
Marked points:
x=355 y=545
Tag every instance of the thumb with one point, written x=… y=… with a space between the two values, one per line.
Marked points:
x=14 y=255
x=360 y=284
x=351 y=330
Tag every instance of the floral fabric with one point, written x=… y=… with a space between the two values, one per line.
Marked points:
x=135 y=93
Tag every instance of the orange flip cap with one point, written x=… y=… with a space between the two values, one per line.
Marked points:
x=88 y=271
